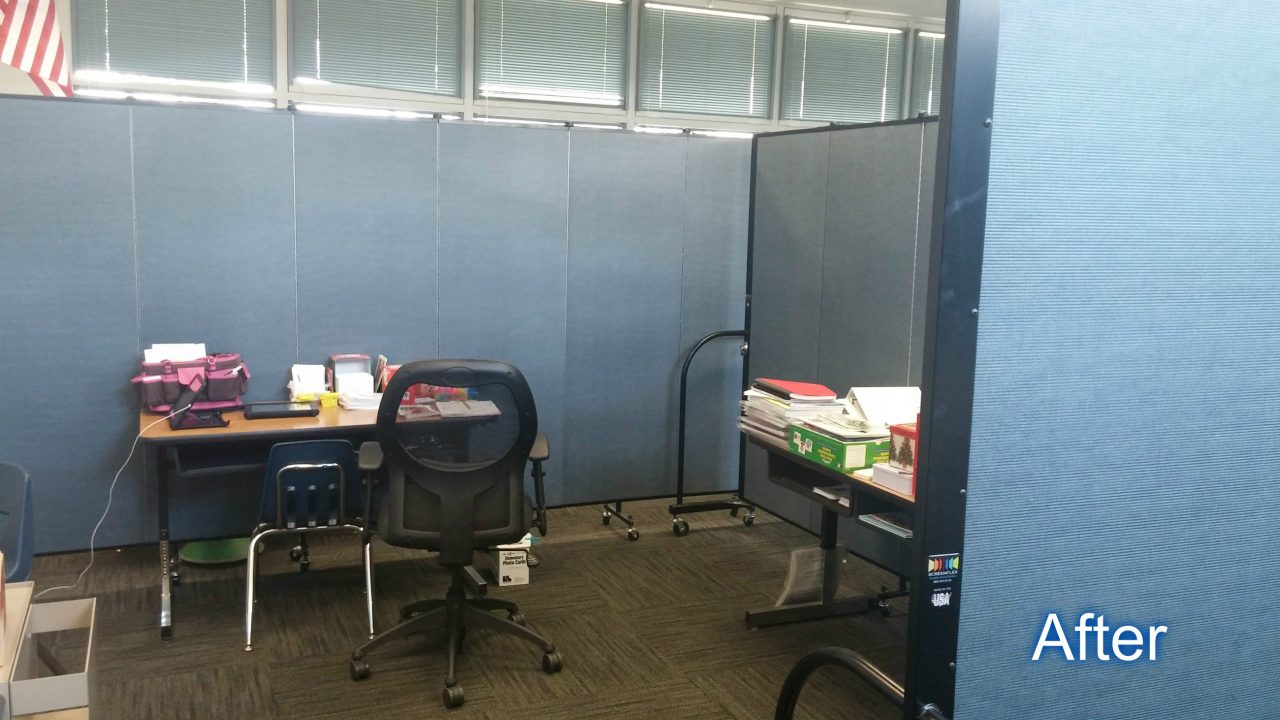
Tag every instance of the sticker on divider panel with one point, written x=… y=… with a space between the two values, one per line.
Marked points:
x=942 y=572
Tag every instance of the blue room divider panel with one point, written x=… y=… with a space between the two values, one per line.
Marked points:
x=216 y=263
x=626 y=228
x=503 y=261
x=717 y=194
x=68 y=318
x=218 y=213
x=871 y=257
x=366 y=224
x=786 y=288
x=319 y=235
x=1127 y=390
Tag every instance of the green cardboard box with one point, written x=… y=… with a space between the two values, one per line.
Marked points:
x=843 y=456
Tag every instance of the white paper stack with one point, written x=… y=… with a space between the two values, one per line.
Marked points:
x=174 y=352
x=360 y=401
x=357 y=383
x=770 y=415
x=467 y=408
x=306 y=380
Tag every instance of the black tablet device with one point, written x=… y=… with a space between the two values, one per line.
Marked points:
x=279 y=409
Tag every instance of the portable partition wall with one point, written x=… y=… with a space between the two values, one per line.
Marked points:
x=840 y=232
x=590 y=259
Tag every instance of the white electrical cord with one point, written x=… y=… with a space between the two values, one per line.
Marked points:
x=110 y=493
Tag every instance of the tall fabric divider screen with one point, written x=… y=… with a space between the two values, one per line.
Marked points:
x=840 y=253
x=592 y=260
x=1127 y=391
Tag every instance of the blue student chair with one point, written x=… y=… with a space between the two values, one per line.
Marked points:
x=17 y=539
x=310 y=486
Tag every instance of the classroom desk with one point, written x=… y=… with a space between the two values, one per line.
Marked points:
x=802 y=476
x=238 y=447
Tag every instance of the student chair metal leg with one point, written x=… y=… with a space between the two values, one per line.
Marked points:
x=368 y=582
x=250 y=588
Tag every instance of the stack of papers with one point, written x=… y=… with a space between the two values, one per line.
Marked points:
x=173 y=352
x=360 y=401
x=897 y=523
x=768 y=413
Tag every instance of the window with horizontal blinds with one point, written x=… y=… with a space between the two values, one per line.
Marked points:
x=926 y=73
x=694 y=60
x=412 y=45
x=842 y=73
x=228 y=42
x=571 y=51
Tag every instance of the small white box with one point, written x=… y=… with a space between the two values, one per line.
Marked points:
x=511 y=562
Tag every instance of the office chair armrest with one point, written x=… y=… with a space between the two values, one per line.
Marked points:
x=370 y=456
x=541 y=450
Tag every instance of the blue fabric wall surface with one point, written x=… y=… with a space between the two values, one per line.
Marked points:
x=591 y=260
x=1127 y=396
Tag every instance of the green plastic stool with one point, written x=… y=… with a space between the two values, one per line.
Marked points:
x=215 y=552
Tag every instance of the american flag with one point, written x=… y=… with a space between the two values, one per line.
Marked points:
x=31 y=41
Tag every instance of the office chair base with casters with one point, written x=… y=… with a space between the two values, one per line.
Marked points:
x=453 y=615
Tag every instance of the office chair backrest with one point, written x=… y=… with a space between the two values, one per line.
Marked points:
x=456 y=466
x=311 y=497
x=17 y=526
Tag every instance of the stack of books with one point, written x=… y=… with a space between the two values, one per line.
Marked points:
x=769 y=406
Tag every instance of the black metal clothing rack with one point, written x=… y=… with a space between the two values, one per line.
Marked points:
x=733 y=504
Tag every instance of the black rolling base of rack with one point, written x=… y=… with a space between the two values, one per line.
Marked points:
x=616 y=512
x=733 y=505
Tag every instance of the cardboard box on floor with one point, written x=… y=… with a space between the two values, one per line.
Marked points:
x=510 y=563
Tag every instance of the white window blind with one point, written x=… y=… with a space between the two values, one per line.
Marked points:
x=572 y=51
x=220 y=42
x=842 y=73
x=926 y=73
x=696 y=60
x=412 y=45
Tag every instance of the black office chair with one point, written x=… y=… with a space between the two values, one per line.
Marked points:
x=455 y=484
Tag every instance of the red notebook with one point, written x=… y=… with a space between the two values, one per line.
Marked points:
x=793 y=390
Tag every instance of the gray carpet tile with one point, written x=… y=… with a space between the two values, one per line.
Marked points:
x=648 y=629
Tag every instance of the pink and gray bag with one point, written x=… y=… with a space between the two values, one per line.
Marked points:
x=225 y=375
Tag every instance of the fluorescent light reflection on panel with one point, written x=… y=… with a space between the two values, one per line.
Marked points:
x=353 y=111
x=934 y=35
x=654 y=130
x=114 y=78
x=845 y=26
x=518 y=121
x=729 y=134
x=170 y=99
x=310 y=81
x=449 y=117
x=504 y=92
x=596 y=126
x=707 y=11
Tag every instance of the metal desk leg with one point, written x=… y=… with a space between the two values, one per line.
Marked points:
x=829 y=606
x=162 y=503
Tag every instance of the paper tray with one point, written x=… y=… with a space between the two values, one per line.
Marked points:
x=30 y=695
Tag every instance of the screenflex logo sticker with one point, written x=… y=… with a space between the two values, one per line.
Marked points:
x=943 y=571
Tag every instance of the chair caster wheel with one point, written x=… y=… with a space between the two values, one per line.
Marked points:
x=633 y=534
x=304 y=564
x=359 y=670
x=552 y=663
x=175 y=577
x=680 y=528
x=604 y=518
x=749 y=519
x=295 y=553
x=516 y=618
x=733 y=512
x=453 y=697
